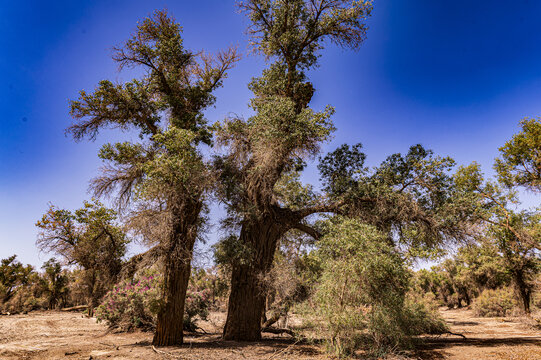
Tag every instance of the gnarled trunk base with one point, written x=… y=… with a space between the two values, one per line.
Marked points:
x=248 y=291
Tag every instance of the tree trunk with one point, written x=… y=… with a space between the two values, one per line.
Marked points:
x=248 y=291
x=523 y=291
x=178 y=257
x=171 y=317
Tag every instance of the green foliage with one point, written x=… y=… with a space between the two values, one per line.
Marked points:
x=88 y=237
x=340 y=170
x=362 y=292
x=55 y=282
x=296 y=29
x=493 y=303
x=516 y=234
x=13 y=274
x=213 y=281
x=230 y=250
x=411 y=197
x=21 y=287
x=520 y=161
x=459 y=279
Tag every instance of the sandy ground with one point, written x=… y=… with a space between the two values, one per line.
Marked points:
x=486 y=338
x=59 y=335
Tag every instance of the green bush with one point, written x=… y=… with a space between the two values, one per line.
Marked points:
x=361 y=295
x=493 y=303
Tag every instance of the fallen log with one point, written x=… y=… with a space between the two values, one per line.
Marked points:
x=75 y=308
x=278 y=331
x=456 y=334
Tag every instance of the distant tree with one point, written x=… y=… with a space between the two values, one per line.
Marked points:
x=520 y=161
x=13 y=274
x=482 y=263
x=517 y=234
x=88 y=237
x=55 y=282
x=520 y=242
x=162 y=180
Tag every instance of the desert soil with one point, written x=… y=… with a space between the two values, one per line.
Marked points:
x=61 y=335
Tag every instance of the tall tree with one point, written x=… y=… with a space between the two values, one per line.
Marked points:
x=283 y=132
x=162 y=178
x=88 y=237
x=411 y=195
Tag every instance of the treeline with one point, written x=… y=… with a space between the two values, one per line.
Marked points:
x=487 y=276
x=340 y=254
x=23 y=288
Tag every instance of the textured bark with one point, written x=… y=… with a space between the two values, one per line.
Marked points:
x=171 y=318
x=248 y=291
x=178 y=257
x=523 y=290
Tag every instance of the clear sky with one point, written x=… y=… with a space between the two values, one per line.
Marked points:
x=455 y=76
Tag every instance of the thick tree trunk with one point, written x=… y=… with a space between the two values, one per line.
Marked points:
x=248 y=291
x=171 y=317
x=178 y=257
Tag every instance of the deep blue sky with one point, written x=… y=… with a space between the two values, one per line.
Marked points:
x=456 y=76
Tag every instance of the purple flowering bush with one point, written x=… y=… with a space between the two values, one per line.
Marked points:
x=196 y=307
x=134 y=304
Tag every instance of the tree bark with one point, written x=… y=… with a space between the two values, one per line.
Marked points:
x=178 y=257
x=523 y=291
x=169 y=329
x=248 y=291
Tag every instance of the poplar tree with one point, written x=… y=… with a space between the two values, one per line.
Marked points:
x=163 y=178
x=283 y=133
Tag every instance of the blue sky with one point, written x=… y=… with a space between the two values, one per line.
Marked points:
x=455 y=76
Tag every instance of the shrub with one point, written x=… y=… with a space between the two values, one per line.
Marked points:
x=132 y=304
x=136 y=303
x=492 y=303
x=197 y=306
x=213 y=281
x=362 y=293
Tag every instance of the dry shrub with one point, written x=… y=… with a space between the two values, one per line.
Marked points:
x=494 y=303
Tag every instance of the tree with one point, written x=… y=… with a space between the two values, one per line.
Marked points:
x=283 y=132
x=88 y=237
x=517 y=234
x=55 y=282
x=13 y=274
x=412 y=195
x=520 y=242
x=162 y=179
x=520 y=162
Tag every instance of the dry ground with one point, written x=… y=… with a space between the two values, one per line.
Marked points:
x=59 y=335
x=487 y=338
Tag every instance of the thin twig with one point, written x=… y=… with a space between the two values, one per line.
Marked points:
x=276 y=353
